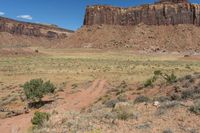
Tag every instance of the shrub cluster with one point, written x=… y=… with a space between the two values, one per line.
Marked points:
x=39 y=118
x=141 y=99
x=168 y=78
x=35 y=89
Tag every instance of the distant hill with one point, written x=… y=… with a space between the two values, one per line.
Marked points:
x=18 y=33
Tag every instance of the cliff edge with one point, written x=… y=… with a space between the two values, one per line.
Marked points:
x=163 y=12
x=32 y=29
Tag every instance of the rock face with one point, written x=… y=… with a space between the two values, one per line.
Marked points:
x=31 y=29
x=164 y=12
x=173 y=1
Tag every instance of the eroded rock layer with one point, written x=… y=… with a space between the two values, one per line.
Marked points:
x=31 y=29
x=164 y=12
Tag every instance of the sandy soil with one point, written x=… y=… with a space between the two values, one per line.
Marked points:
x=70 y=101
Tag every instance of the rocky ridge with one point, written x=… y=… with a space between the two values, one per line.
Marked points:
x=32 y=29
x=163 y=12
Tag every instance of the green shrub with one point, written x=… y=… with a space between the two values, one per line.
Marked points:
x=148 y=83
x=169 y=78
x=39 y=118
x=35 y=89
x=157 y=72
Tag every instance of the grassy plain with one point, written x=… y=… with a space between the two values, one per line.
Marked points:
x=78 y=65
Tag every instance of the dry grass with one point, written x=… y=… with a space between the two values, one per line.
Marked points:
x=82 y=65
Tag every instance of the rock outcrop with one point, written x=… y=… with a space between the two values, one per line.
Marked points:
x=32 y=29
x=173 y=1
x=164 y=12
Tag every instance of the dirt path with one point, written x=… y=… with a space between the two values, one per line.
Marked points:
x=75 y=101
x=85 y=97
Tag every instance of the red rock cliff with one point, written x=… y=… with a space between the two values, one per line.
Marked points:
x=31 y=29
x=164 y=12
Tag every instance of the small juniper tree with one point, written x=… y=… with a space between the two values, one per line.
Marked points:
x=35 y=89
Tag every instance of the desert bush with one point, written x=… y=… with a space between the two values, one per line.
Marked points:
x=39 y=118
x=169 y=105
x=169 y=78
x=163 y=108
x=123 y=115
x=187 y=94
x=161 y=99
x=111 y=103
x=8 y=99
x=157 y=72
x=141 y=99
x=148 y=82
x=175 y=97
x=196 y=108
x=124 y=111
x=188 y=77
x=145 y=125
x=167 y=131
x=35 y=89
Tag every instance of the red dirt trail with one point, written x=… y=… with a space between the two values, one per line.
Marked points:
x=75 y=101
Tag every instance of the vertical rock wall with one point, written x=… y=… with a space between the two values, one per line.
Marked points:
x=171 y=13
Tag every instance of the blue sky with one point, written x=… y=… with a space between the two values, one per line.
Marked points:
x=64 y=13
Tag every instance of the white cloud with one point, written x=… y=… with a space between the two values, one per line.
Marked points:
x=29 y=17
x=2 y=13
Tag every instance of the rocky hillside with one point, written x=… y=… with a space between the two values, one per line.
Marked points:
x=163 y=12
x=31 y=29
x=183 y=38
x=23 y=34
